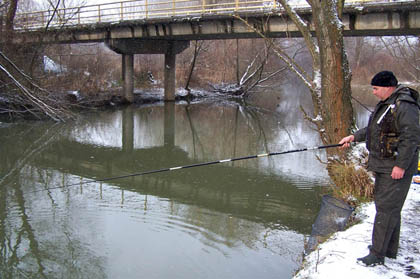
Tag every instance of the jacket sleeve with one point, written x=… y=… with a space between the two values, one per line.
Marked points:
x=409 y=130
x=360 y=135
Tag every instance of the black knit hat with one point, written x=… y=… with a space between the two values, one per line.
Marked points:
x=384 y=79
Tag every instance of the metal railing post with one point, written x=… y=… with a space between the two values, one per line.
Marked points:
x=99 y=13
x=204 y=7
x=275 y=4
x=122 y=11
x=59 y=17
x=236 y=5
x=147 y=11
x=173 y=7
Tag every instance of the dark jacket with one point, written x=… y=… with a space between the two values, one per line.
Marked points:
x=401 y=125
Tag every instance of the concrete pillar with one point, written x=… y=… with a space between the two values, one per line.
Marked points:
x=127 y=47
x=170 y=81
x=127 y=77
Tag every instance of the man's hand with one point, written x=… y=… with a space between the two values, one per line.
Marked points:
x=346 y=141
x=397 y=172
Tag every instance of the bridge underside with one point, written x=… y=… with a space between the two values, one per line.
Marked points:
x=129 y=47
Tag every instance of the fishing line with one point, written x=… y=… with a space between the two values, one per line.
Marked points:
x=363 y=105
x=193 y=166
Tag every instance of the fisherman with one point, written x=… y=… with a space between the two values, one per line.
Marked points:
x=392 y=138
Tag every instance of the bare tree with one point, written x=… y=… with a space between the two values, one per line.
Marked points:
x=198 y=45
x=358 y=47
x=10 y=16
x=405 y=50
x=23 y=94
x=254 y=74
x=329 y=82
x=35 y=101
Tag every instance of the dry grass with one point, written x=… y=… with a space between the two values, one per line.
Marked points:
x=354 y=184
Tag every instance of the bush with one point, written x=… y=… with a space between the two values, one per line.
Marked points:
x=354 y=183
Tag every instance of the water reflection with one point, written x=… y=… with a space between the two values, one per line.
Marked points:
x=244 y=219
x=204 y=133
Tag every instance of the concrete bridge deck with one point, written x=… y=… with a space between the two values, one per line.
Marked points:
x=166 y=27
x=198 y=20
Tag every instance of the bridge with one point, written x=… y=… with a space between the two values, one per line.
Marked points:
x=167 y=26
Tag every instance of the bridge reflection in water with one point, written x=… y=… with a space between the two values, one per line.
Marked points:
x=229 y=187
x=251 y=214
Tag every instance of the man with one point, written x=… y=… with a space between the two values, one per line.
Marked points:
x=392 y=138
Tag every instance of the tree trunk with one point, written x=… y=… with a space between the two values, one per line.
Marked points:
x=197 y=48
x=10 y=16
x=358 y=48
x=330 y=83
x=337 y=111
x=237 y=63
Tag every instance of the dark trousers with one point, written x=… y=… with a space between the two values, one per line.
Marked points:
x=390 y=195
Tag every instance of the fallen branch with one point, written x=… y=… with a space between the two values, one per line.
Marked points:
x=254 y=75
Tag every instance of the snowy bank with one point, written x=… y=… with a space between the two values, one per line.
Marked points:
x=336 y=258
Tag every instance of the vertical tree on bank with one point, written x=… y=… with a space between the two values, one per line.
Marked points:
x=329 y=82
x=7 y=15
x=10 y=15
x=330 y=88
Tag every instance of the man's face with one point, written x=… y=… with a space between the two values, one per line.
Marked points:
x=382 y=92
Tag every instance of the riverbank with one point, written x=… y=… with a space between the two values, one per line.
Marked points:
x=336 y=258
x=67 y=104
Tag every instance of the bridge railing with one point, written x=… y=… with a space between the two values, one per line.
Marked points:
x=144 y=9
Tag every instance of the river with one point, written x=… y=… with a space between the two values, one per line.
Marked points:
x=243 y=219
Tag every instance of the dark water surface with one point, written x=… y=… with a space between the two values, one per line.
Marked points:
x=246 y=219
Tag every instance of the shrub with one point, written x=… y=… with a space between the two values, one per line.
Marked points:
x=353 y=183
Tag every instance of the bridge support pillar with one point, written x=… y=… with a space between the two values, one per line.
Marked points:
x=127 y=77
x=169 y=76
x=129 y=47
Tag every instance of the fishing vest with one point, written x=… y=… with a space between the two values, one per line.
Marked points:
x=387 y=122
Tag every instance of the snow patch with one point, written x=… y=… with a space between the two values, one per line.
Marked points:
x=336 y=258
x=52 y=66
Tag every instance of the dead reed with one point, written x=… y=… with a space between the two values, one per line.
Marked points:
x=353 y=183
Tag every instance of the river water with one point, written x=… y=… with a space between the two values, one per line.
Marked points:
x=243 y=219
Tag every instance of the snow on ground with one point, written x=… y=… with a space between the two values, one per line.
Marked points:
x=336 y=258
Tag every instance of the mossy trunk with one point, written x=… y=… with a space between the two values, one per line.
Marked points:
x=337 y=111
x=336 y=107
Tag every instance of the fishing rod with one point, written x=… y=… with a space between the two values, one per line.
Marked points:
x=195 y=165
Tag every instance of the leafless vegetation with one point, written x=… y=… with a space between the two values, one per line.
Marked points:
x=355 y=183
x=369 y=55
x=22 y=93
x=27 y=96
x=253 y=73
